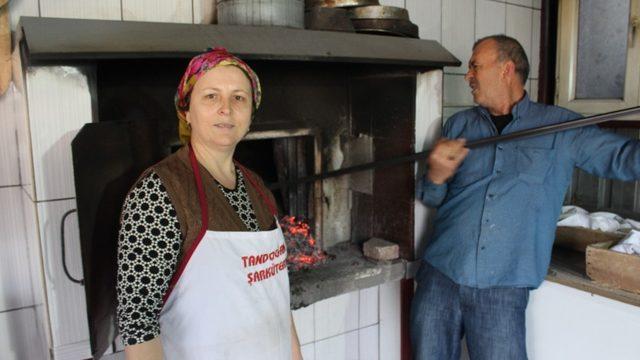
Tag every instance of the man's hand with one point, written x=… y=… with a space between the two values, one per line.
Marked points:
x=445 y=158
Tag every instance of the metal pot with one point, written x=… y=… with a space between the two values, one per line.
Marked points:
x=289 y=13
x=379 y=12
x=339 y=3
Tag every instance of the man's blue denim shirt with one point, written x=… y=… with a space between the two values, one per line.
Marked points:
x=496 y=218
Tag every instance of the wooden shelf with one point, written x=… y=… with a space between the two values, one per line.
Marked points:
x=568 y=268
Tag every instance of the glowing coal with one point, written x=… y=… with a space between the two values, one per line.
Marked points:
x=302 y=249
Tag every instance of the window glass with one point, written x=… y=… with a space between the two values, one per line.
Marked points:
x=602 y=49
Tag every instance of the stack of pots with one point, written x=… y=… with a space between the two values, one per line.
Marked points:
x=289 y=13
x=365 y=16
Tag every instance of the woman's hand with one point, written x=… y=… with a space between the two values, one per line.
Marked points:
x=148 y=350
x=296 y=353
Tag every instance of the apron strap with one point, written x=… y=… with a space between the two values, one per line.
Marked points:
x=202 y=196
x=204 y=212
x=254 y=183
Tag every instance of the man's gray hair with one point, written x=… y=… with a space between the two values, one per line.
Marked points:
x=510 y=49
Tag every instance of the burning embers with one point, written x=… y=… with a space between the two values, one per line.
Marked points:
x=302 y=248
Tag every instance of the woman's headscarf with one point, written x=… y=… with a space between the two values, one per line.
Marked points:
x=198 y=66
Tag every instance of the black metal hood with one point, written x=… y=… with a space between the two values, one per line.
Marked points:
x=55 y=40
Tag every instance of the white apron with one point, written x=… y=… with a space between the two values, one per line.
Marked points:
x=230 y=295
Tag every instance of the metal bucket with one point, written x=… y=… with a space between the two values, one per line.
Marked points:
x=288 y=13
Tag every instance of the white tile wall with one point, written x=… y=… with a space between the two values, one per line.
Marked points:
x=450 y=110
x=303 y=319
x=204 y=12
x=10 y=174
x=368 y=307
x=19 y=338
x=458 y=30
x=23 y=134
x=456 y=91
x=308 y=351
x=537 y=4
x=19 y=8
x=427 y=14
x=81 y=9
x=368 y=341
x=533 y=93
x=535 y=45
x=66 y=300
x=343 y=310
x=490 y=18
x=30 y=235
x=340 y=347
x=456 y=24
x=59 y=104
x=15 y=279
x=175 y=11
x=120 y=356
x=398 y=3
x=519 y=25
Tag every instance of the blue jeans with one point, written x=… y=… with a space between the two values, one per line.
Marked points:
x=491 y=319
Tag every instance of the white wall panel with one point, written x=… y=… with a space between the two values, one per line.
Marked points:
x=456 y=91
x=458 y=31
x=19 y=338
x=535 y=45
x=429 y=122
x=427 y=14
x=81 y=9
x=389 y=326
x=59 y=104
x=344 y=315
x=537 y=4
x=303 y=318
x=19 y=8
x=66 y=300
x=10 y=174
x=565 y=323
x=490 y=18
x=175 y=11
x=519 y=26
x=15 y=279
x=341 y=347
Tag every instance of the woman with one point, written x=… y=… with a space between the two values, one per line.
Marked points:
x=201 y=259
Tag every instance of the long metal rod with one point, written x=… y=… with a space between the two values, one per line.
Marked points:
x=537 y=131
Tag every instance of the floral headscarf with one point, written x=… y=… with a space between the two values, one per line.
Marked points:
x=198 y=66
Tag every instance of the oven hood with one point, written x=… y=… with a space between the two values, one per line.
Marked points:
x=54 y=40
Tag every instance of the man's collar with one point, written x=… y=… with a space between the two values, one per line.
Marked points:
x=520 y=108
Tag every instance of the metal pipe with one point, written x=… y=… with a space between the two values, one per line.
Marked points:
x=523 y=134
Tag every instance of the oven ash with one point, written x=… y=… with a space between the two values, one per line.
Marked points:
x=302 y=249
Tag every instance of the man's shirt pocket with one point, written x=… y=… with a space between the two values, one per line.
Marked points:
x=533 y=163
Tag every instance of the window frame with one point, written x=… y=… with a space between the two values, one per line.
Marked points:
x=566 y=70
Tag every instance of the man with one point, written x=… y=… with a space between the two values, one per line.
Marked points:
x=497 y=208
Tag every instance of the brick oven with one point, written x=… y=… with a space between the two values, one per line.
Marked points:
x=331 y=100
